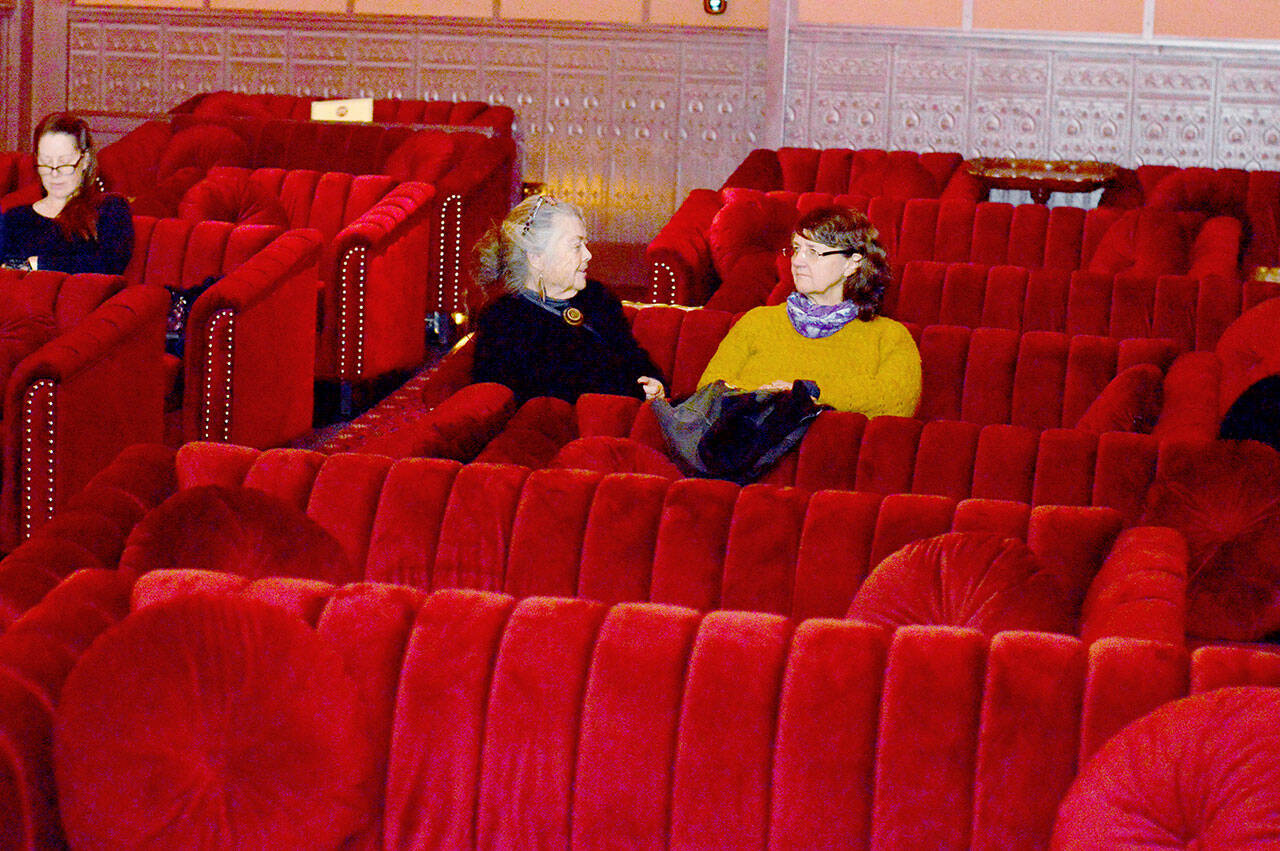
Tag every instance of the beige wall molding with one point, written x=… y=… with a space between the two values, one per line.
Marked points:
x=626 y=119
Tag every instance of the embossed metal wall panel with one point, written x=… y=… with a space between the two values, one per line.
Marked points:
x=626 y=120
x=1122 y=100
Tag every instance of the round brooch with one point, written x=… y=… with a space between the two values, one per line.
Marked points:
x=572 y=316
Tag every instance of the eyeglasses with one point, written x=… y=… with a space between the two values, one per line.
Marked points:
x=60 y=170
x=807 y=252
x=537 y=205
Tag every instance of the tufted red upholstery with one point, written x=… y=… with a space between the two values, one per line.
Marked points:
x=497 y=722
x=708 y=544
x=1131 y=402
x=1198 y=772
x=678 y=257
x=235 y=199
x=234 y=530
x=740 y=269
x=385 y=110
x=997 y=418
x=376 y=232
x=262 y=744
x=83 y=382
x=967 y=579
x=248 y=362
x=1194 y=311
x=1224 y=496
x=474 y=172
x=1201 y=386
x=1252 y=197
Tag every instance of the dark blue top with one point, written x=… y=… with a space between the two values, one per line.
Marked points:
x=29 y=234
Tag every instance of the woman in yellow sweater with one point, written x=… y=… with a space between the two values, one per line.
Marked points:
x=828 y=330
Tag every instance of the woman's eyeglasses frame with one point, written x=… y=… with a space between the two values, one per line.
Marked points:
x=807 y=253
x=61 y=170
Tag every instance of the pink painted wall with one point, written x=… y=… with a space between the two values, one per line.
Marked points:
x=1218 y=18
x=1099 y=16
x=883 y=13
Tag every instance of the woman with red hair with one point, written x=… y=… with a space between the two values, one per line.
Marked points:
x=75 y=227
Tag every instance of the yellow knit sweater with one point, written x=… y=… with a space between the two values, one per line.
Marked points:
x=872 y=367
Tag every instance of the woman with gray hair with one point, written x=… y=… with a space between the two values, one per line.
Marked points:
x=553 y=332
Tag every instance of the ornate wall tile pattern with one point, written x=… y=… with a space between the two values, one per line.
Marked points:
x=626 y=120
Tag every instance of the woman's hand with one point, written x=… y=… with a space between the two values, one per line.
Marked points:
x=652 y=387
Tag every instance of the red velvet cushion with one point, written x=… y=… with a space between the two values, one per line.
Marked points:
x=212 y=722
x=1216 y=193
x=891 y=176
x=22 y=331
x=966 y=579
x=232 y=103
x=1148 y=242
x=425 y=156
x=1202 y=772
x=1130 y=402
x=750 y=224
x=202 y=147
x=235 y=530
x=232 y=199
x=1224 y=496
x=614 y=455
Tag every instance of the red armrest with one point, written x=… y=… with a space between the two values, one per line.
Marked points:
x=679 y=257
x=78 y=401
x=1141 y=590
x=375 y=291
x=250 y=358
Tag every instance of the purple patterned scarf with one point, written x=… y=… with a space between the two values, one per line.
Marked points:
x=818 y=320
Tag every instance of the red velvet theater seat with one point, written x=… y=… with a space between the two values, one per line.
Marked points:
x=1201 y=386
x=80 y=361
x=376 y=231
x=474 y=173
x=467 y=113
x=1038 y=417
x=248 y=364
x=472 y=720
x=1193 y=311
x=679 y=260
x=1252 y=197
x=746 y=234
x=706 y=544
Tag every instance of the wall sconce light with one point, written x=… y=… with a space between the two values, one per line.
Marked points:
x=715 y=7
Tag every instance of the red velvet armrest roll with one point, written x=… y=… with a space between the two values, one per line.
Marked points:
x=679 y=257
x=375 y=293
x=249 y=359
x=457 y=428
x=1141 y=590
x=1190 y=410
x=102 y=384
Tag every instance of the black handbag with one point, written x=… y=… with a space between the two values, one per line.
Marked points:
x=721 y=432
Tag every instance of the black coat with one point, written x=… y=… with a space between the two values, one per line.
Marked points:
x=536 y=353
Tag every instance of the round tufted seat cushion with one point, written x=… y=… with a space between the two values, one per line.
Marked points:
x=966 y=579
x=212 y=722
x=235 y=530
x=1201 y=772
x=1224 y=496
x=232 y=198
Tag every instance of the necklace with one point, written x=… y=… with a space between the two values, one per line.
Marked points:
x=572 y=316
